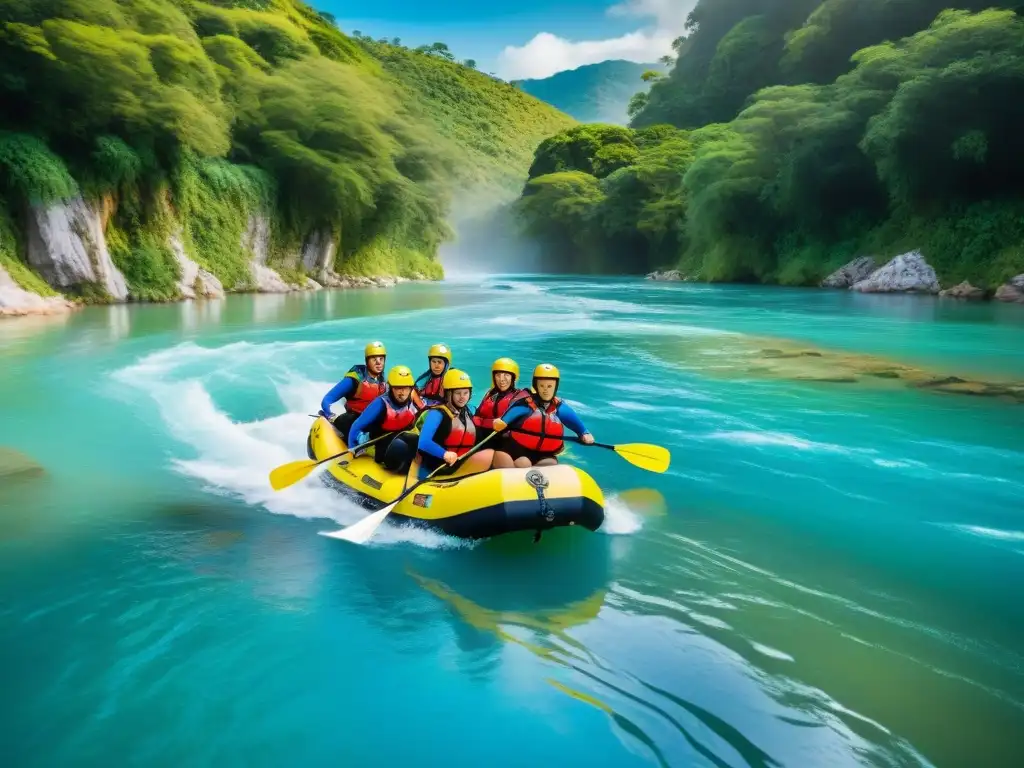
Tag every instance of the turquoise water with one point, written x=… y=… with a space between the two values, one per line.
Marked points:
x=833 y=576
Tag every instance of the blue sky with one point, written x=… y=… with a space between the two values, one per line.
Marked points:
x=522 y=38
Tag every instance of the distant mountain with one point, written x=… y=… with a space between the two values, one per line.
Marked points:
x=595 y=93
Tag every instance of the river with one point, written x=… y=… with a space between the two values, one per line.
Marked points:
x=830 y=573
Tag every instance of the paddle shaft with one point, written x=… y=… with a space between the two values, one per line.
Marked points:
x=570 y=438
x=462 y=458
x=353 y=450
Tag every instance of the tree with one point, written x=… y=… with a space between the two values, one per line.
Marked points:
x=471 y=63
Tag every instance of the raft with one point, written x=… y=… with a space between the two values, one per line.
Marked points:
x=472 y=506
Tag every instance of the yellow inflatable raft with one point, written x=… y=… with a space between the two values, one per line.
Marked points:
x=470 y=506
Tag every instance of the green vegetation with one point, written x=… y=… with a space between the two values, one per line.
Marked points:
x=192 y=119
x=595 y=93
x=779 y=147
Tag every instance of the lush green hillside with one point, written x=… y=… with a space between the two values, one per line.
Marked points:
x=595 y=93
x=779 y=147
x=190 y=115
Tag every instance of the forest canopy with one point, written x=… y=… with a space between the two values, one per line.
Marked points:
x=790 y=137
x=193 y=115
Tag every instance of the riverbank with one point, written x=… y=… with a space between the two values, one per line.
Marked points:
x=906 y=273
x=69 y=250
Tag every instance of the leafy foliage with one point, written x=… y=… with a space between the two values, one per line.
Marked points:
x=197 y=117
x=916 y=144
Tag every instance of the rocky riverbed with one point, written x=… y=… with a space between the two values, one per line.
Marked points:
x=907 y=273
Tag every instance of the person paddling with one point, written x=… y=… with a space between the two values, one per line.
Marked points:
x=536 y=424
x=360 y=387
x=447 y=430
x=430 y=384
x=392 y=414
x=498 y=399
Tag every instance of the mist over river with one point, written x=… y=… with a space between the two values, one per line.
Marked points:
x=830 y=573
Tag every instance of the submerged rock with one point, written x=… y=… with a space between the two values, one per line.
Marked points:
x=963 y=291
x=850 y=273
x=907 y=273
x=16 y=301
x=1012 y=291
x=14 y=464
x=195 y=281
x=66 y=245
x=669 y=275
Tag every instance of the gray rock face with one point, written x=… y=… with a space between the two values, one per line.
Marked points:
x=963 y=291
x=1012 y=291
x=15 y=300
x=195 y=281
x=850 y=273
x=669 y=275
x=318 y=252
x=256 y=238
x=67 y=247
x=907 y=273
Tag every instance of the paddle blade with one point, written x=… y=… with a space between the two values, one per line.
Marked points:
x=360 y=533
x=290 y=473
x=653 y=458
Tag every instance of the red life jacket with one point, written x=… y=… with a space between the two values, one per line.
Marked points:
x=397 y=418
x=546 y=428
x=495 y=404
x=368 y=389
x=432 y=389
x=457 y=432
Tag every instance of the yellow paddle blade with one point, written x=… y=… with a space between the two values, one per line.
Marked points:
x=653 y=458
x=290 y=473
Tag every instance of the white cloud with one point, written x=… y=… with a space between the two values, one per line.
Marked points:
x=545 y=54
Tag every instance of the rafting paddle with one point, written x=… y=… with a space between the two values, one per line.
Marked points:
x=653 y=458
x=292 y=472
x=360 y=532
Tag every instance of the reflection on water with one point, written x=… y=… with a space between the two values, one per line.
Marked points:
x=827 y=574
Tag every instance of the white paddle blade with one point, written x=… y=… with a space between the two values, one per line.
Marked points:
x=360 y=533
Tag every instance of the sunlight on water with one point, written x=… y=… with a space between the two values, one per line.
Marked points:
x=828 y=574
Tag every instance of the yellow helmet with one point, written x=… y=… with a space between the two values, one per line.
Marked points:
x=546 y=371
x=374 y=348
x=440 y=350
x=506 y=365
x=456 y=379
x=400 y=376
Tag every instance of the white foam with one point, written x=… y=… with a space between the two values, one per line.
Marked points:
x=779 y=439
x=770 y=652
x=990 y=533
x=619 y=519
x=235 y=458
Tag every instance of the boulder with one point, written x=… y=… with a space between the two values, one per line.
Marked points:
x=16 y=301
x=669 y=275
x=1012 y=291
x=267 y=280
x=850 y=273
x=964 y=291
x=67 y=247
x=907 y=273
x=195 y=281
